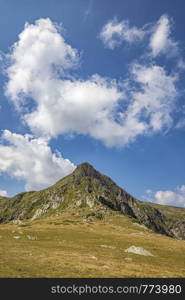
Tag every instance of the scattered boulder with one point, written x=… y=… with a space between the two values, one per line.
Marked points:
x=16 y=237
x=129 y=259
x=107 y=246
x=94 y=257
x=138 y=250
x=105 y=267
x=33 y=238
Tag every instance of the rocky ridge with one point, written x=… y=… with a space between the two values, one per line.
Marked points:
x=88 y=188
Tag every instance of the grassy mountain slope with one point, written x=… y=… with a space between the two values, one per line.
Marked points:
x=87 y=188
x=81 y=226
x=78 y=245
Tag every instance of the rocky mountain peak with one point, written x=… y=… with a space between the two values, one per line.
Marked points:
x=88 y=189
x=85 y=169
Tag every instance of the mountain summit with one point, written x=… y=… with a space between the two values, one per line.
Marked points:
x=88 y=190
x=85 y=169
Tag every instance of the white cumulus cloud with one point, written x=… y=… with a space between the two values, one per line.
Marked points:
x=39 y=66
x=174 y=197
x=3 y=193
x=170 y=197
x=161 y=41
x=156 y=98
x=103 y=108
x=114 y=33
x=158 y=35
x=73 y=106
x=31 y=160
x=41 y=52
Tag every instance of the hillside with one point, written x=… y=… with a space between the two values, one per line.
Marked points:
x=78 y=245
x=88 y=188
x=83 y=225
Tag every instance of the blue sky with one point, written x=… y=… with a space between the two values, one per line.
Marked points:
x=97 y=81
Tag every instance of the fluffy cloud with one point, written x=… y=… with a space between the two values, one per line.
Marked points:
x=92 y=107
x=169 y=197
x=148 y=111
x=161 y=41
x=156 y=99
x=3 y=193
x=114 y=33
x=42 y=53
x=39 y=70
x=73 y=106
x=32 y=160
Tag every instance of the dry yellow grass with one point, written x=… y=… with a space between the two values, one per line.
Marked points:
x=66 y=246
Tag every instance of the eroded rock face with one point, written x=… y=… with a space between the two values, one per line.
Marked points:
x=179 y=230
x=18 y=222
x=152 y=218
x=90 y=201
x=46 y=207
x=86 y=187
